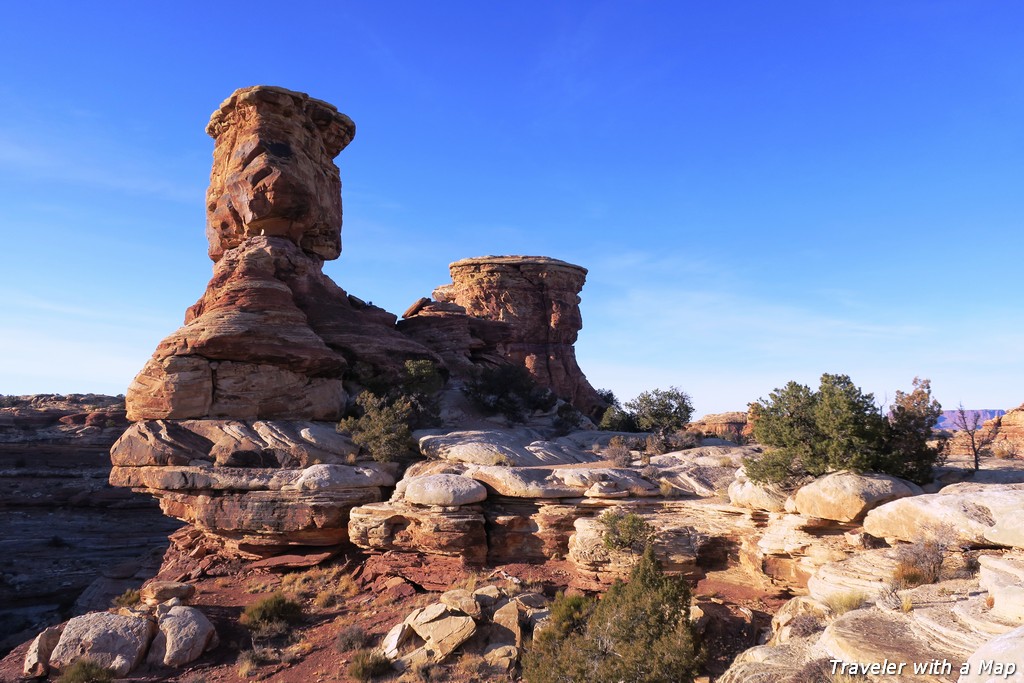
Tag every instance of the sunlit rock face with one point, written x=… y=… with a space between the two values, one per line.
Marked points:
x=273 y=171
x=272 y=337
x=519 y=309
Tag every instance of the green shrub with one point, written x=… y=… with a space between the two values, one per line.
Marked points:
x=130 y=597
x=626 y=531
x=383 y=430
x=271 y=615
x=367 y=665
x=508 y=390
x=839 y=427
x=661 y=410
x=615 y=419
x=86 y=671
x=567 y=418
x=421 y=380
x=638 y=632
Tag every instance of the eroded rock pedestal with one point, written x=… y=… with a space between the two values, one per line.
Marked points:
x=520 y=309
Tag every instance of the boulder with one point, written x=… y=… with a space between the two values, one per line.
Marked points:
x=159 y=591
x=184 y=635
x=442 y=629
x=461 y=600
x=37 y=659
x=444 y=489
x=506 y=629
x=967 y=513
x=847 y=496
x=745 y=493
x=114 y=641
x=1005 y=650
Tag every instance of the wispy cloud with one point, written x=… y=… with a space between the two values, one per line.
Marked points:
x=728 y=347
x=46 y=162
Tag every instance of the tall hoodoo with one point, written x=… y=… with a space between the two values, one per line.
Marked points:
x=272 y=337
x=256 y=376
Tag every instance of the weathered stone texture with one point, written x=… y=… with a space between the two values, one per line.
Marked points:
x=273 y=171
x=537 y=299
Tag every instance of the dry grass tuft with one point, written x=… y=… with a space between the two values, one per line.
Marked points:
x=841 y=603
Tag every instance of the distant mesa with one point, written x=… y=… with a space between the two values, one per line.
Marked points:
x=949 y=418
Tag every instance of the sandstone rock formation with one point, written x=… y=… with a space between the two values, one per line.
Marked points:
x=234 y=404
x=259 y=486
x=970 y=514
x=730 y=426
x=537 y=299
x=272 y=337
x=1002 y=435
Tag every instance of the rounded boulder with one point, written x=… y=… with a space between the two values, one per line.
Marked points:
x=444 y=489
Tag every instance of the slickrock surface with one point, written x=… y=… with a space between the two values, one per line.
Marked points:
x=1006 y=648
x=975 y=514
x=954 y=620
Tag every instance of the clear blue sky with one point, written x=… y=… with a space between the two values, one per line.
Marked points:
x=762 y=191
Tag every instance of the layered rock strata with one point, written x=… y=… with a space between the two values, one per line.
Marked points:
x=234 y=413
x=260 y=486
x=539 y=513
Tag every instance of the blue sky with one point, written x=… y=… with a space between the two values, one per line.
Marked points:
x=761 y=191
